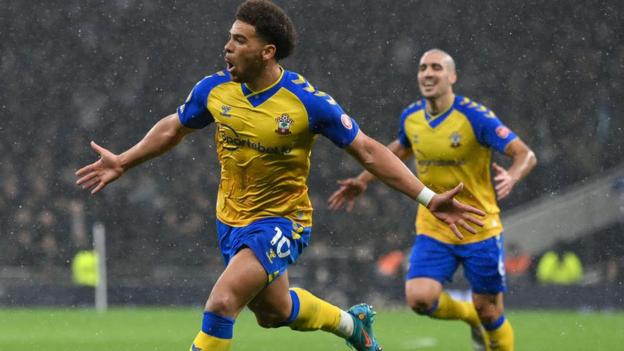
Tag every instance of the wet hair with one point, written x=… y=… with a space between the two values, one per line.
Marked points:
x=271 y=23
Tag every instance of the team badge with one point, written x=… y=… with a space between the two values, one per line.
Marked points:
x=283 y=124
x=455 y=140
x=502 y=132
x=225 y=111
x=346 y=121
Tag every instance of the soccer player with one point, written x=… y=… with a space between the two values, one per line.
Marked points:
x=266 y=119
x=452 y=138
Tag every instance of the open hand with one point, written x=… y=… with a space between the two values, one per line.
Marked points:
x=97 y=175
x=454 y=213
x=504 y=181
x=345 y=196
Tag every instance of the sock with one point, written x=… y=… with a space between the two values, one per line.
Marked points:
x=500 y=334
x=314 y=314
x=216 y=334
x=346 y=325
x=450 y=309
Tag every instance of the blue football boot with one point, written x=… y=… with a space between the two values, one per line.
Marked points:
x=363 y=338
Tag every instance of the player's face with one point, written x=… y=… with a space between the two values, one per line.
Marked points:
x=243 y=53
x=435 y=77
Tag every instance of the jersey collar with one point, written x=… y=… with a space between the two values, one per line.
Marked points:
x=435 y=121
x=256 y=98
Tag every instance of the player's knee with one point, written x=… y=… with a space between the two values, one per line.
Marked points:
x=223 y=305
x=488 y=313
x=420 y=303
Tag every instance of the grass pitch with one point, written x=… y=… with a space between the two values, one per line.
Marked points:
x=126 y=329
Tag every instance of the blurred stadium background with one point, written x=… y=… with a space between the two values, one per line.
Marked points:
x=74 y=71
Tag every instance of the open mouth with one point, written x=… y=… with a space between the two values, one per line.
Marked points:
x=229 y=65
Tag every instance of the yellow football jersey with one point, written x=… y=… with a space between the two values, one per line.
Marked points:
x=456 y=146
x=264 y=140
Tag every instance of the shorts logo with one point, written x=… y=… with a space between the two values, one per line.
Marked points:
x=283 y=124
x=346 y=121
x=455 y=140
x=502 y=132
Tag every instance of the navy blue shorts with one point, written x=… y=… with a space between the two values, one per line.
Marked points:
x=482 y=261
x=276 y=242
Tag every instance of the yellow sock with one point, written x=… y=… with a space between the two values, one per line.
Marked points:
x=501 y=338
x=451 y=309
x=314 y=313
x=205 y=342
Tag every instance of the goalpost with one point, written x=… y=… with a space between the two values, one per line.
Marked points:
x=99 y=245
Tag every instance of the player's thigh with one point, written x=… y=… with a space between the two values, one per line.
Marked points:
x=484 y=266
x=273 y=304
x=242 y=280
x=432 y=259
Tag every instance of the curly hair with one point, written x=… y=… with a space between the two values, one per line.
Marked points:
x=271 y=23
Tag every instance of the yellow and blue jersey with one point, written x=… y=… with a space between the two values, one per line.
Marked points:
x=263 y=141
x=456 y=146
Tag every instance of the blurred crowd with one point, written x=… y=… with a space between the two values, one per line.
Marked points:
x=106 y=71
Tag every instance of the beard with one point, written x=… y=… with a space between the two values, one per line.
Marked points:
x=249 y=69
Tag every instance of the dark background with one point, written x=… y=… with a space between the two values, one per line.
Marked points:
x=75 y=71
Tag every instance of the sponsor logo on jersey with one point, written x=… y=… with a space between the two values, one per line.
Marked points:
x=502 y=132
x=415 y=139
x=231 y=140
x=346 y=121
x=225 y=111
x=423 y=163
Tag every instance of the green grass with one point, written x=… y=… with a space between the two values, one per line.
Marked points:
x=127 y=329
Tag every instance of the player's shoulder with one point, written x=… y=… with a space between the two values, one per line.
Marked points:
x=211 y=81
x=472 y=109
x=413 y=107
x=306 y=92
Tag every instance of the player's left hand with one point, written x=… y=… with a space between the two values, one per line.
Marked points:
x=454 y=213
x=504 y=181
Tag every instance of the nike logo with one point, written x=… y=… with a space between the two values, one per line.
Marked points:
x=367 y=340
x=195 y=348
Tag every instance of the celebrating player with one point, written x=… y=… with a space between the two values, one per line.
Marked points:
x=265 y=121
x=451 y=138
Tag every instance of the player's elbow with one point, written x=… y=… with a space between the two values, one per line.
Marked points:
x=531 y=159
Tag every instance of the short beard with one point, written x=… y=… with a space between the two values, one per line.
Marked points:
x=254 y=70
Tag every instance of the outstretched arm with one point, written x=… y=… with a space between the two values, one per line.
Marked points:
x=383 y=164
x=351 y=188
x=163 y=136
x=524 y=161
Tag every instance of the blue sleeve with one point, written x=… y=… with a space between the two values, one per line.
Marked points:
x=403 y=139
x=490 y=131
x=328 y=118
x=194 y=112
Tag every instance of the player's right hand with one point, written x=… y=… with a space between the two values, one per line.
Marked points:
x=345 y=196
x=97 y=175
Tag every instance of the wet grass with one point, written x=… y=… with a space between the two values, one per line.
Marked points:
x=173 y=329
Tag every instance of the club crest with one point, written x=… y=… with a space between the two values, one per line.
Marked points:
x=283 y=124
x=455 y=140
